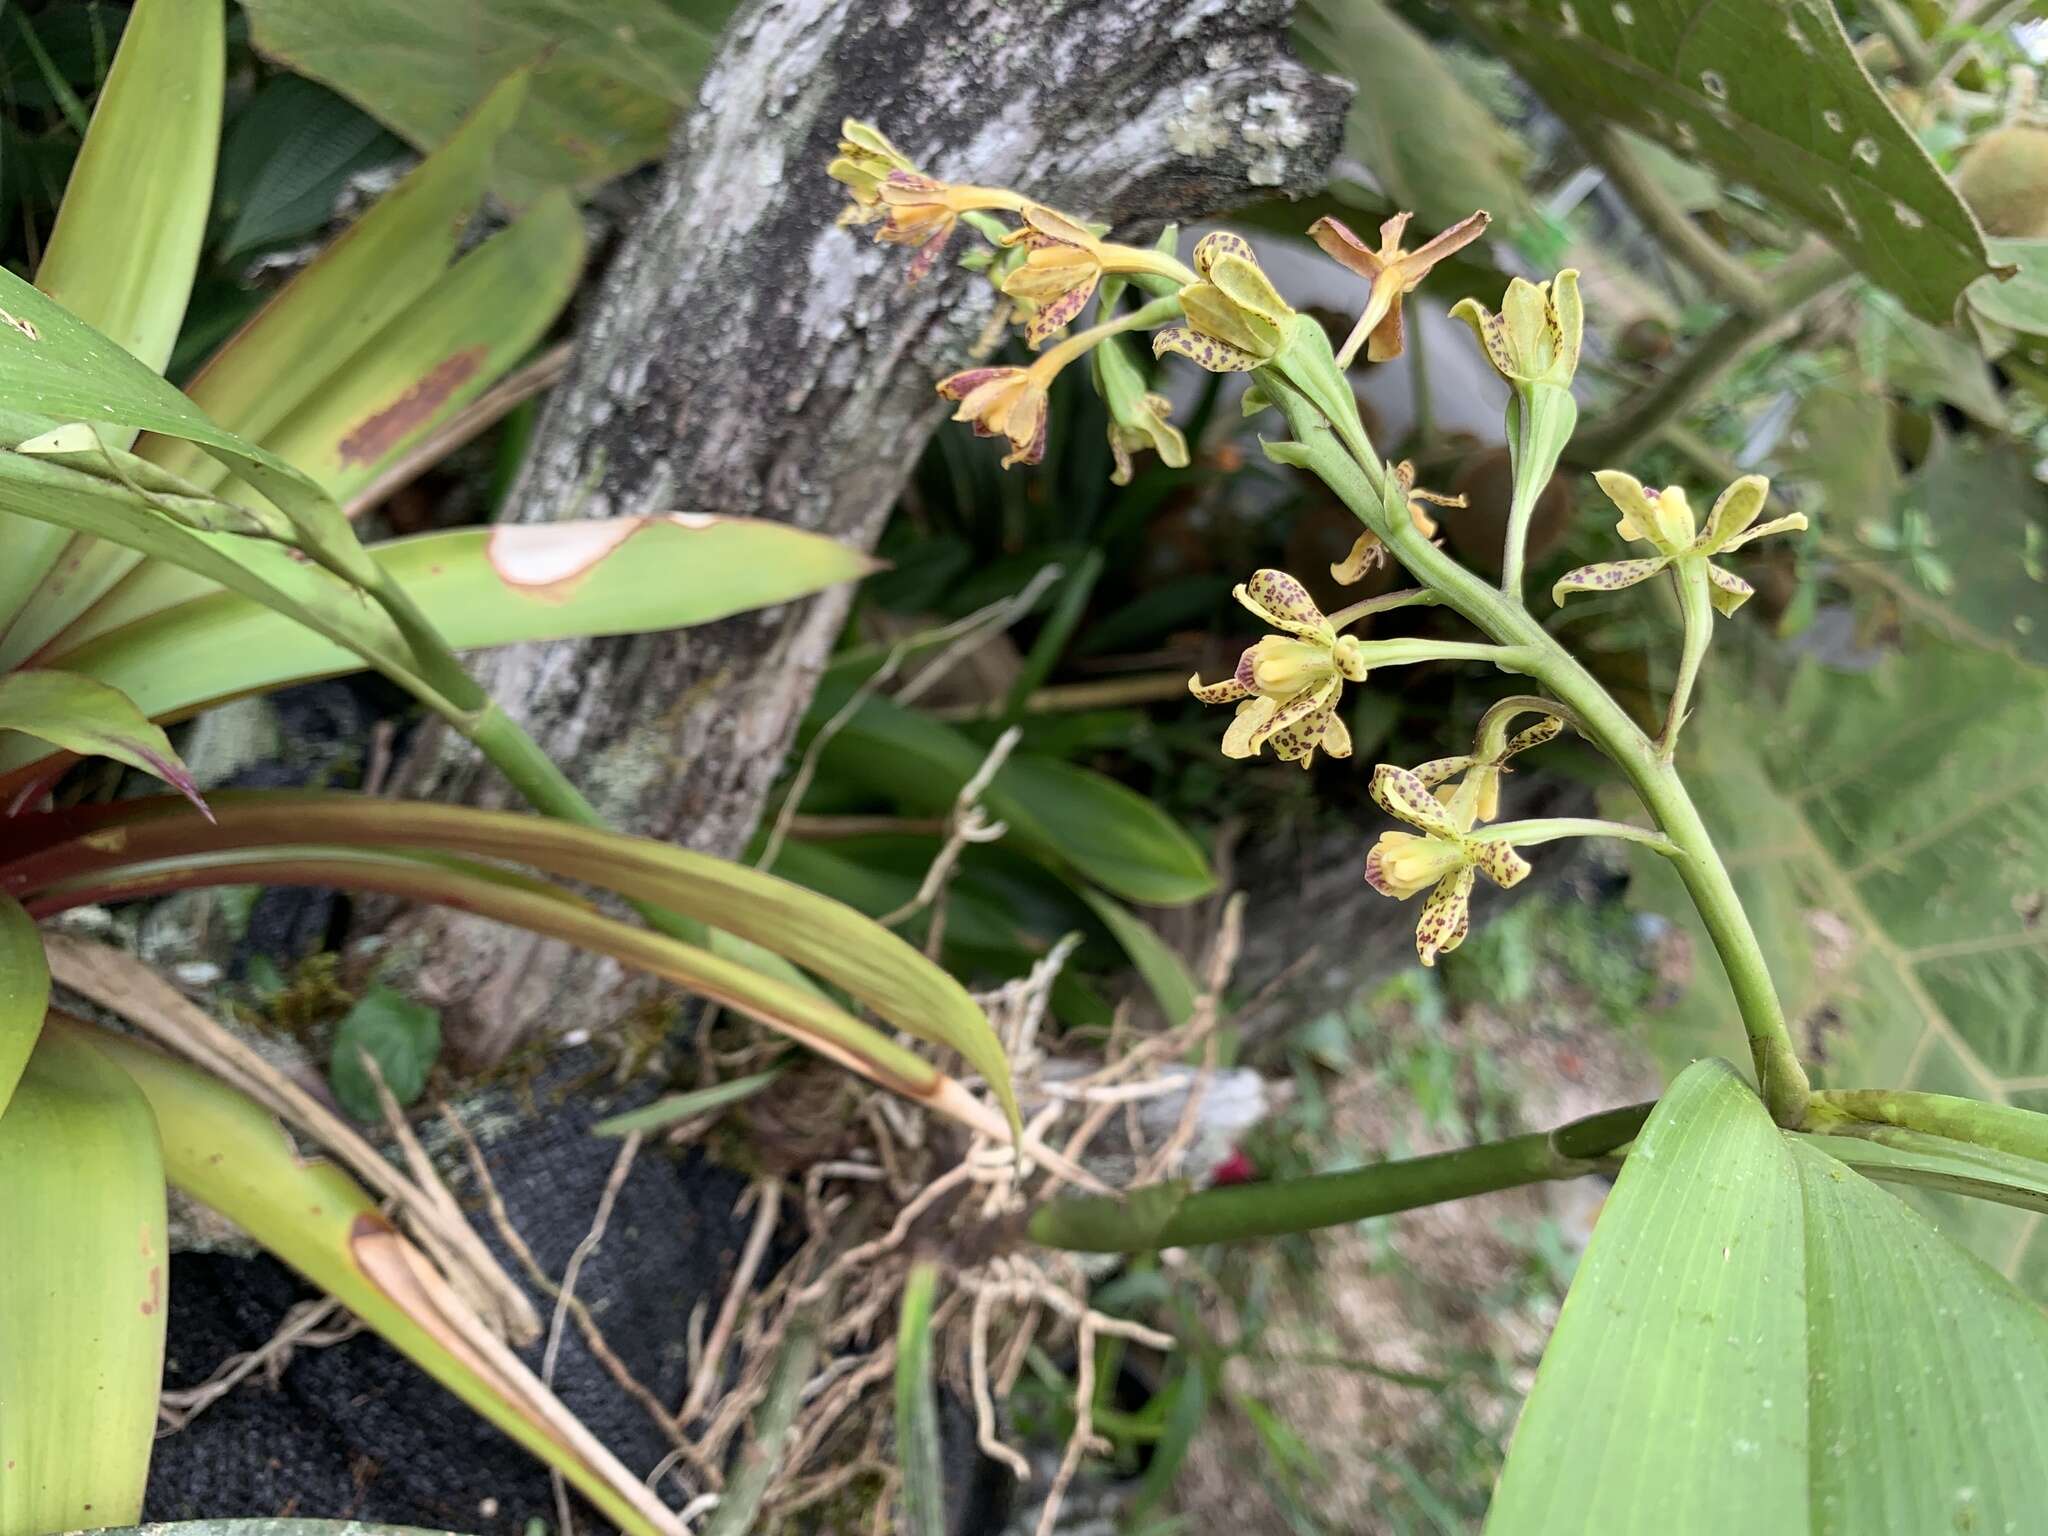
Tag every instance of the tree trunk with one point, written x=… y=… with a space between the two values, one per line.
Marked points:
x=747 y=356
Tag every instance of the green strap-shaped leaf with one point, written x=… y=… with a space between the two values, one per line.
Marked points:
x=831 y=940
x=127 y=238
x=174 y=651
x=444 y=350
x=227 y=1152
x=1119 y=840
x=89 y=718
x=917 y=1407
x=1164 y=974
x=1769 y=93
x=82 y=1291
x=62 y=370
x=24 y=993
x=1758 y=1338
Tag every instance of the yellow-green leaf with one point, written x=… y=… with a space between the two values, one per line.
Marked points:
x=82 y=1291
x=24 y=993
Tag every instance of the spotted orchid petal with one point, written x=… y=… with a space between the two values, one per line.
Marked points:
x=1346 y=249
x=1402 y=865
x=1609 y=576
x=1401 y=794
x=1792 y=522
x=1726 y=590
x=1228 y=691
x=1297 y=741
x=1733 y=511
x=1446 y=916
x=1336 y=734
x=1289 y=718
x=1284 y=603
x=1500 y=863
x=1368 y=552
x=1441 y=770
x=1546 y=729
x=1205 y=351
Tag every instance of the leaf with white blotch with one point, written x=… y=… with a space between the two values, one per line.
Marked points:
x=1758 y=1338
x=1888 y=835
x=1770 y=93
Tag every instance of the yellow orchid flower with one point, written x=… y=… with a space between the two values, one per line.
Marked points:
x=1664 y=520
x=914 y=209
x=865 y=157
x=1059 y=273
x=1535 y=337
x=1287 y=686
x=1003 y=402
x=1444 y=857
x=1236 y=319
x=1393 y=273
x=1370 y=550
x=1482 y=767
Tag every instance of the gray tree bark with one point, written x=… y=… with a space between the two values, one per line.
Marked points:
x=746 y=356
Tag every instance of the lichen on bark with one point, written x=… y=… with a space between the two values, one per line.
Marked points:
x=744 y=355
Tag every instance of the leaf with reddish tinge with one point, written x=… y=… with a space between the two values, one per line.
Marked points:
x=80 y=715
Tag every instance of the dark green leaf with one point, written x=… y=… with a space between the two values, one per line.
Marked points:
x=402 y=1036
x=1770 y=93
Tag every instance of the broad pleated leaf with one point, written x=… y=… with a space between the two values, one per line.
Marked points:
x=1888 y=833
x=82 y=1291
x=1758 y=1338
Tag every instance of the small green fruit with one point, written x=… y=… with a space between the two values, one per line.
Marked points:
x=2004 y=179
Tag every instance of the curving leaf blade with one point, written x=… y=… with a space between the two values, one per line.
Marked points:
x=91 y=719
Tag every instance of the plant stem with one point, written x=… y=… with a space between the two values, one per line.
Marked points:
x=1366 y=485
x=1803 y=278
x=1696 y=611
x=1386 y=602
x=2000 y=1127
x=1097 y=1224
x=1548 y=829
x=1726 y=277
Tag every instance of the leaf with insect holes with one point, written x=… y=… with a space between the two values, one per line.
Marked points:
x=1888 y=834
x=402 y=1036
x=1771 y=94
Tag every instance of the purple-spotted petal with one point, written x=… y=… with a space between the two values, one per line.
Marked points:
x=1057 y=314
x=1207 y=351
x=1292 y=721
x=1441 y=770
x=1285 y=604
x=1446 y=916
x=1217 y=244
x=1229 y=691
x=1500 y=863
x=1608 y=576
x=1535 y=735
x=1727 y=591
x=1400 y=793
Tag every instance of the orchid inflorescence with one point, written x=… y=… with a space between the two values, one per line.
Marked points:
x=1223 y=313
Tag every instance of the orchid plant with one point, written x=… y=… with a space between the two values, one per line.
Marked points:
x=1754 y=1197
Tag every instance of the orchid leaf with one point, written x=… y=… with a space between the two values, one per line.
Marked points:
x=79 y=715
x=82 y=1291
x=174 y=652
x=228 y=1153
x=24 y=993
x=128 y=233
x=1751 y=1343
x=603 y=96
x=1887 y=832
